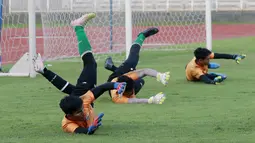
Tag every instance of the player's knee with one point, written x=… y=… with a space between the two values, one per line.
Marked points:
x=138 y=85
x=142 y=82
x=88 y=58
x=131 y=63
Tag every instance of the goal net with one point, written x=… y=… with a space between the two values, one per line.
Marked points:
x=14 y=34
x=181 y=24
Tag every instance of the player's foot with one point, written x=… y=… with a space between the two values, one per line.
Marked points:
x=163 y=77
x=223 y=76
x=157 y=99
x=213 y=65
x=149 y=32
x=239 y=58
x=218 y=80
x=108 y=64
x=38 y=63
x=83 y=20
x=120 y=87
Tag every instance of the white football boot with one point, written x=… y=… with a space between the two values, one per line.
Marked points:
x=38 y=64
x=83 y=19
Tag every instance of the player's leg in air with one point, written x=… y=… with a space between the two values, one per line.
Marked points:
x=79 y=114
x=52 y=77
x=134 y=84
x=88 y=77
x=77 y=106
x=138 y=84
x=131 y=62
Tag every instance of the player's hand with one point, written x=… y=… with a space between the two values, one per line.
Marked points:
x=213 y=65
x=239 y=58
x=163 y=77
x=120 y=87
x=91 y=129
x=157 y=99
x=96 y=123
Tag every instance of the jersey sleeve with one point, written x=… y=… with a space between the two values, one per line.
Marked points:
x=133 y=75
x=212 y=55
x=69 y=127
x=196 y=72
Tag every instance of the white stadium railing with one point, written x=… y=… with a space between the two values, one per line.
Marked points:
x=137 y=5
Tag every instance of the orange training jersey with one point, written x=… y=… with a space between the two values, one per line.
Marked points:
x=125 y=96
x=69 y=125
x=194 y=71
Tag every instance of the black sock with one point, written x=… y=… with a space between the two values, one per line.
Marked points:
x=224 y=56
x=113 y=68
x=57 y=81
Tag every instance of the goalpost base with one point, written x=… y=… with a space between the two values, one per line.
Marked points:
x=20 y=68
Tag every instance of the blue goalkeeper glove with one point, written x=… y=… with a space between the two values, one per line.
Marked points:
x=97 y=123
x=120 y=87
x=239 y=58
x=213 y=65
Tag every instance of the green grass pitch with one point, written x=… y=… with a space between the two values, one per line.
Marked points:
x=192 y=113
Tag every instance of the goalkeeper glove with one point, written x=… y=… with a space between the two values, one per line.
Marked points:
x=238 y=58
x=96 y=123
x=213 y=66
x=157 y=99
x=163 y=77
x=120 y=87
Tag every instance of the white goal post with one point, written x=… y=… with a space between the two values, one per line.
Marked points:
x=182 y=24
x=208 y=24
x=22 y=64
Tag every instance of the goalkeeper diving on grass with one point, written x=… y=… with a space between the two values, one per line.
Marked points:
x=197 y=68
x=127 y=73
x=77 y=106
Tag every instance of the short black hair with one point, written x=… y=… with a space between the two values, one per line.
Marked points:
x=70 y=104
x=128 y=80
x=202 y=53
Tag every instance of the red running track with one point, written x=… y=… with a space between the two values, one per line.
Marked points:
x=62 y=41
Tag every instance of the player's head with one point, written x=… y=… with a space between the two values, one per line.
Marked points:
x=202 y=55
x=71 y=105
x=129 y=81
